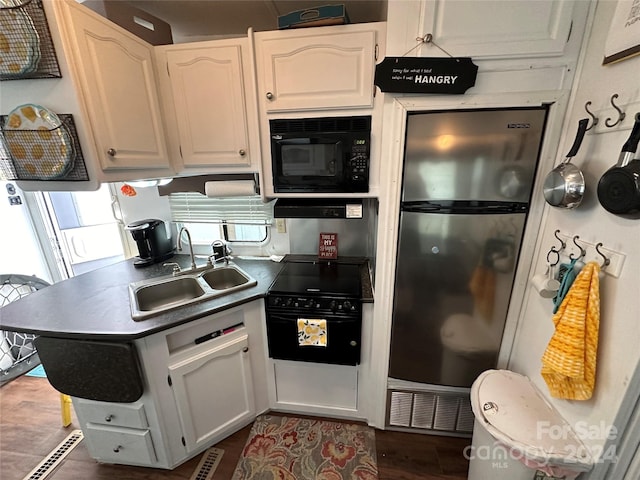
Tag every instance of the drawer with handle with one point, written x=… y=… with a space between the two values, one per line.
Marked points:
x=107 y=413
x=120 y=445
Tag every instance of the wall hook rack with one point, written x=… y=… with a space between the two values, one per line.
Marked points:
x=621 y=114
x=595 y=119
x=595 y=252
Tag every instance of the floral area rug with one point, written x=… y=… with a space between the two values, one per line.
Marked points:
x=288 y=448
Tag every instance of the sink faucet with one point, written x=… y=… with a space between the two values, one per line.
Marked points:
x=193 y=268
x=193 y=259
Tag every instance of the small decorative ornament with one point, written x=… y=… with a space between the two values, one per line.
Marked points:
x=128 y=190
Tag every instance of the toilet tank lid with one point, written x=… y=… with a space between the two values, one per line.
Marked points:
x=510 y=407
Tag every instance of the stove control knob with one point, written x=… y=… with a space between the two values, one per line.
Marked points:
x=288 y=302
x=347 y=305
x=309 y=303
x=276 y=301
x=332 y=304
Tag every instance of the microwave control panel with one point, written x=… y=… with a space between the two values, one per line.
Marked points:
x=358 y=166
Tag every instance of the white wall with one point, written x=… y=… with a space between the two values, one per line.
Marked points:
x=618 y=351
x=58 y=95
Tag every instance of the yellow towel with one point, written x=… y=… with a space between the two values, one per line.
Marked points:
x=312 y=331
x=569 y=362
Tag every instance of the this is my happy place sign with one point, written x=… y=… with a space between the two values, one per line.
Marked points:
x=426 y=75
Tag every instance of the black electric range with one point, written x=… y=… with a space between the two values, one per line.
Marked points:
x=326 y=278
x=327 y=292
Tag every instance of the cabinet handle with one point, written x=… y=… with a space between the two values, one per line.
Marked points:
x=108 y=418
x=245 y=349
x=111 y=152
x=269 y=96
x=117 y=449
x=242 y=152
x=353 y=343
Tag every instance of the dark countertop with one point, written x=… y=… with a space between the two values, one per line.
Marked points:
x=95 y=305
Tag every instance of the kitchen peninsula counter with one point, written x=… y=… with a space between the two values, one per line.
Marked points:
x=95 y=305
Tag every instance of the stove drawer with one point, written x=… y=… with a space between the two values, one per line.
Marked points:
x=343 y=339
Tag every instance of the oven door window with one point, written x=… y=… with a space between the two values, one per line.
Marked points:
x=309 y=157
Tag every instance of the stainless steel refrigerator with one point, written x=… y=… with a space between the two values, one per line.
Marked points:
x=467 y=182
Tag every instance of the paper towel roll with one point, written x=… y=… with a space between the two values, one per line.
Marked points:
x=230 y=188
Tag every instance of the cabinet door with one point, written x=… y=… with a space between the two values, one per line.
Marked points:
x=475 y=29
x=213 y=389
x=302 y=71
x=119 y=89
x=209 y=97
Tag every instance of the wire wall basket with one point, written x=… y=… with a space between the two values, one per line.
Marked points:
x=42 y=155
x=26 y=46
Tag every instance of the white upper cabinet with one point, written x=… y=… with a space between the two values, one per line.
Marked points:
x=316 y=68
x=117 y=81
x=498 y=28
x=210 y=105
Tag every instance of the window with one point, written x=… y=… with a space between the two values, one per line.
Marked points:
x=233 y=219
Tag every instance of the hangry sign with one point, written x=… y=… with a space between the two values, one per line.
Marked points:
x=426 y=75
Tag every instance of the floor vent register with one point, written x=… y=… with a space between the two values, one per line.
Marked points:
x=208 y=464
x=51 y=461
x=435 y=411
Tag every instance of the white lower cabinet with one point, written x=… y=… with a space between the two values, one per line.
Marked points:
x=204 y=380
x=315 y=388
x=118 y=432
x=207 y=378
x=213 y=389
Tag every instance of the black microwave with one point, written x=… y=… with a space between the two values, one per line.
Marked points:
x=325 y=155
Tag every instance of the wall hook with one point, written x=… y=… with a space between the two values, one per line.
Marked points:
x=562 y=243
x=606 y=260
x=595 y=119
x=557 y=253
x=621 y=114
x=583 y=252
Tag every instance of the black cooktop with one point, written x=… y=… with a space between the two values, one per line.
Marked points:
x=318 y=278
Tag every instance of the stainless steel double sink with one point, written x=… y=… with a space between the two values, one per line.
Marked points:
x=151 y=297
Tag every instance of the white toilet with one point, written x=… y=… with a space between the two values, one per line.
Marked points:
x=517 y=432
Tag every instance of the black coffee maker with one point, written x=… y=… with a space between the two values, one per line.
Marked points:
x=153 y=244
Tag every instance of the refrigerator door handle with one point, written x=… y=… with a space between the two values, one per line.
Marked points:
x=463 y=206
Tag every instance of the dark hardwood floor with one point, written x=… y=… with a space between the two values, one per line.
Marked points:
x=30 y=428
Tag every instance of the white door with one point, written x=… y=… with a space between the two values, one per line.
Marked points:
x=472 y=28
x=331 y=68
x=20 y=248
x=118 y=82
x=88 y=235
x=209 y=97
x=213 y=390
